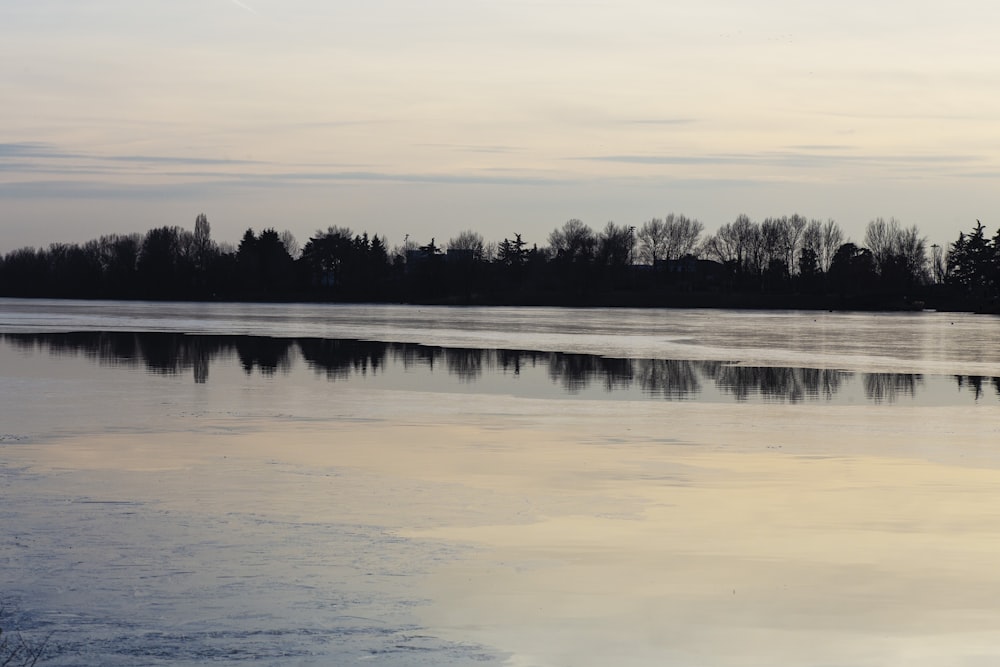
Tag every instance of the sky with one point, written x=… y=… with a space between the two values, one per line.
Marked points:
x=423 y=119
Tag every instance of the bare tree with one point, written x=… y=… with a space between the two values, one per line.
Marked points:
x=490 y=249
x=753 y=251
x=722 y=246
x=898 y=251
x=291 y=243
x=737 y=243
x=574 y=242
x=939 y=263
x=652 y=241
x=682 y=235
x=881 y=237
x=812 y=241
x=774 y=241
x=911 y=248
x=823 y=239
x=615 y=245
x=833 y=238
x=781 y=240
x=672 y=237
x=795 y=228
x=202 y=237
x=469 y=240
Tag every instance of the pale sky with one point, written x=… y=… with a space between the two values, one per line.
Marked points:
x=503 y=116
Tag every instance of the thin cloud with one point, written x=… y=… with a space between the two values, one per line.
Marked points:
x=243 y=6
x=451 y=179
x=785 y=158
x=822 y=147
x=474 y=148
x=662 y=121
x=45 y=155
x=900 y=116
x=192 y=183
x=162 y=159
x=27 y=158
x=64 y=170
x=28 y=149
x=219 y=185
x=981 y=174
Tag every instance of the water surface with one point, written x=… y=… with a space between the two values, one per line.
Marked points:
x=294 y=484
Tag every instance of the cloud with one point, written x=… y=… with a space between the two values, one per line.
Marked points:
x=162 y=159
x=245 y=7
x=191 y=184
x=121 y=174
x=815 y=159
x=40 y=157
x=46 y=150
x=662 y=121
x=97 y=190
x=822 y=147
x=29 y=149
x=61 y=170
x=472 y=178
x=473 y=148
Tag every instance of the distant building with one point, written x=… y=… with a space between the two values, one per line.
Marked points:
x=460 y=255
x=687 y=265
x=418 y=257
x=691 y=271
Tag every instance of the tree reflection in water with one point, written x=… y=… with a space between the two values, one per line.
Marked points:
x=465 y=364
x=338 y=359
x=576 y=372
x=788 y=384
x=342 y=359
x=888 y=387
x=671 y=378
x=974 y=383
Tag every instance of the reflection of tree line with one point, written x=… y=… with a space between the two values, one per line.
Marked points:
x=340 y=359
x=887 y=387
x=164 y=353
x=975 y=383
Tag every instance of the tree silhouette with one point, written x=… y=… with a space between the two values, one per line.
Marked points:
x=744 y=263
x=264 y=264
x=469 y=241
x=164 y=265
x=972 y=262
x=573 y=243
x=853 y=270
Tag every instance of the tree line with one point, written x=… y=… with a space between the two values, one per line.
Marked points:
x=787 y=261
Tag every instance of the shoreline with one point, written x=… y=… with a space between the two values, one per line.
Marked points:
x=640 y=300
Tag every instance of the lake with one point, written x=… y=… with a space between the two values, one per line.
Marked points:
x=400 y=485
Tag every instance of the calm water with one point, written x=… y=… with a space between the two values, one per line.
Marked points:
x=302 y=484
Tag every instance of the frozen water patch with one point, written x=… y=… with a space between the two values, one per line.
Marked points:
x=129 y=583
x=300 y=646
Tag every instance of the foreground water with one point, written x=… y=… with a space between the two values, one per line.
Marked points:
x=392 y=485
